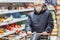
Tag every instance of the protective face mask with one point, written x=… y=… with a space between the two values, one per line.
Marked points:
x=38 y=9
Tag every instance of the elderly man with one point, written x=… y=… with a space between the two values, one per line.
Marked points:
x=40 y=21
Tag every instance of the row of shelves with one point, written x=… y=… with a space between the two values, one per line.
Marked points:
x=58 y=17
x=9 y=1
x=14 y=11
x=10 y=32
x=13 y=21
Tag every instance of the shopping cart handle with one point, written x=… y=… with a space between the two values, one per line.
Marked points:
x=41 y=33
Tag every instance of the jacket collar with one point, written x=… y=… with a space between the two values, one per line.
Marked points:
x=41 y=12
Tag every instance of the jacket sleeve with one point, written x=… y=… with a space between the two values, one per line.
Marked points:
x=50 y=25
x=28 y=23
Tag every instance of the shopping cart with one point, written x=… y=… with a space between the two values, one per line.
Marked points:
x=39 y=36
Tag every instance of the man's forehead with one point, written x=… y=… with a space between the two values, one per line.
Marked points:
x=38 y=4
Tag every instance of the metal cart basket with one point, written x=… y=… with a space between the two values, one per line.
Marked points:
x=38 y=36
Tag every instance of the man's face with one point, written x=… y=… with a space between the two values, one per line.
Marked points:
x=38 y=8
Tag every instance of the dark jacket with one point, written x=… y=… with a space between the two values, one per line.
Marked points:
x=40 y=22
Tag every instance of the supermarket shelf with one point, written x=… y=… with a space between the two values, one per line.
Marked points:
x=7 y=33
x=10 y=32
x=14 y=1
x=54 y=34
x=14 y=11
x=9 y=1
x=27 y=1
x=50 y=7
x=13 y=21
x=18 y=37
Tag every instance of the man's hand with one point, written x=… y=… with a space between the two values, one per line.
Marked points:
x=29 y=33
x=45 y=33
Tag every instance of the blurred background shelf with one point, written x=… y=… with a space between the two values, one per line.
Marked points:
x=11 y=32
x=14 y=11
x=13 y=21
x=11 y=1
